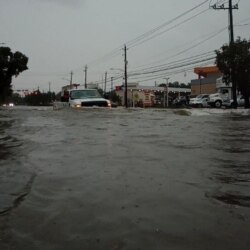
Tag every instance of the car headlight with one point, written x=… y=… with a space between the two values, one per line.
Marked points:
x=77 y=105
x=109 y=104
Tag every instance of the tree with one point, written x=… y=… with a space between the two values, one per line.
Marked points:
x=236 y=58
x=36 y=98
x=11 y=64
x=163 y=85
x=114 y=97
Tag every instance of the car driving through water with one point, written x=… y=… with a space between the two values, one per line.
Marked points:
x=87 y=98
x=80 y=98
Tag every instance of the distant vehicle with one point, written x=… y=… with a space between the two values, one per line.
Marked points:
x=11 y=104
x=180 y=101
x=199 y=101
x=216 y=100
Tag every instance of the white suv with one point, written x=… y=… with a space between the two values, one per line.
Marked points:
x=216 y=100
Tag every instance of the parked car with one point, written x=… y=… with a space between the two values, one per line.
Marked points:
x=216 y=100
x=199 y=101
x=180 y=101
x=229 y=103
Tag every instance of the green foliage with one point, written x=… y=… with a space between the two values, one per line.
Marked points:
x=115 y=98
x=17 y=99
x=176 y=84
x=236 y=56
x=39 y=99
x=101 y=92
x=11 y=64
x=162 y=85
x=112 y=96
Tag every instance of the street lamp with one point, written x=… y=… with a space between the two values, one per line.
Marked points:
x=166 y=78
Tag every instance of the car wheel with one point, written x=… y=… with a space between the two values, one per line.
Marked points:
x=217 y=104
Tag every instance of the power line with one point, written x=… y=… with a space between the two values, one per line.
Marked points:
x=150 y=32
x=168 y=73
x=210 y=53
x=171 y=28
x=116 y=51
x=169 y=66
x=195 y=45
x=173 y=66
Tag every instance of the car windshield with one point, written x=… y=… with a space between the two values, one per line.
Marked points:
x=84 y=94
x=200 y=96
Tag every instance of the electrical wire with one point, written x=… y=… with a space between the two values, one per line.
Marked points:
x=174 y=66
x=116 y=51
x=152 y=34
x=164 y=74
x=129 y=43
x=171 y=28
x=214 y=34
x=206 y=54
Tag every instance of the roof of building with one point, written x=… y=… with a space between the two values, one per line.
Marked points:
x=204 y=71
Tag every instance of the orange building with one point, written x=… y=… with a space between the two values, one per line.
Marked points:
x=206 y=82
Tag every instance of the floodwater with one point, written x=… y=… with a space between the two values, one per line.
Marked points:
x=124 y=180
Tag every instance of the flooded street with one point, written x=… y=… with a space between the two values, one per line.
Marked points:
x=123 y=180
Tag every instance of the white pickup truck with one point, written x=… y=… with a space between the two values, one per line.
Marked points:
x=80 y=98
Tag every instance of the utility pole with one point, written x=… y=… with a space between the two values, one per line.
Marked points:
x=111 y=89
x=71 y=79
x=102 y=83
x=112 y=78
x=105 y=82
x=230 y=9
x=49 y=92
x=125 y=77
x=85 y=71
x=166 y=95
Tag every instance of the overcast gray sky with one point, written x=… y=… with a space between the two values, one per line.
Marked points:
x=60 y=36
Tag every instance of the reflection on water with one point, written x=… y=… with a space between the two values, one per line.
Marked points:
x=5 y=140
x=124 y=179
x=232 y=167
x=8 y=142
x=233 y=199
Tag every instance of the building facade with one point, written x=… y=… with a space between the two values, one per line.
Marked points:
x=206 y=82
x=148 y=96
